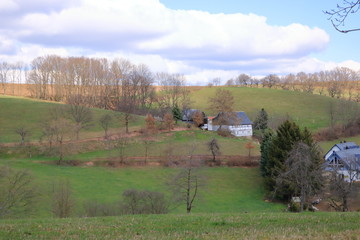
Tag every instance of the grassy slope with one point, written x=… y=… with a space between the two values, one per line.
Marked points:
x=307 y=109
x=227 y=190
x=194 y=226
x=17 y=112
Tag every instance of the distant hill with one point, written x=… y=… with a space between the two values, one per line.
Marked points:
x=308 y=110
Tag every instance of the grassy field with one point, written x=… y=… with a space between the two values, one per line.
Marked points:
x=227 y=189
x=29 y=113
x=308 y=110
x=194 y=226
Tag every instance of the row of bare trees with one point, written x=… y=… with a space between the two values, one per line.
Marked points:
x=340 y=82
x=117 y=85
x=11 y=73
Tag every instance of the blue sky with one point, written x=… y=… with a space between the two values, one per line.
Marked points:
x=201 y=39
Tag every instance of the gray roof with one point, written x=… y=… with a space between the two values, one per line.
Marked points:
x=244 y=119
x=350 y=157
x=346 y=145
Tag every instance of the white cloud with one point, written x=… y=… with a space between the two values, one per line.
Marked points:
x=199 y=44
x=147 y=26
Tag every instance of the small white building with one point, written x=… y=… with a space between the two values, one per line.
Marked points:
x=237 y=123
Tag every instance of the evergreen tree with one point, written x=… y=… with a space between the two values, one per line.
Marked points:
x=264 y=149
x=275 y=151
x=261 y=121
x=176 y=113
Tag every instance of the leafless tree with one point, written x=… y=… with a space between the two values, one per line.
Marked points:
x=23 y=132
x=186 y=185
x=169 y=121
x=343 y=187
x=17 y=191
x=214 y=148
x=270 y=81
x=216 y=81
x=150 y=124
x=105 y=122
x=249 y=146
x=57 y=131
x=80 y=114
x=243 y=80
x=223 y=101
x=63 y=202
x=4 y=75
x=198 y=118
x=342 y=11
x=302 y=173
x=121 y=144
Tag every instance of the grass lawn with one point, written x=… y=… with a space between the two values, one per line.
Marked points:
x=193 y=226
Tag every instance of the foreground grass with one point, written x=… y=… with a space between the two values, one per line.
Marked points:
x=194 y=226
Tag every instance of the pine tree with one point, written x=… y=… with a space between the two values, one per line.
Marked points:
x=264 y=149
x=261 y=121
x=275 y=151
x=176 y=113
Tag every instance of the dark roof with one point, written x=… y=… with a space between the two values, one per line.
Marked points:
x=244 y=120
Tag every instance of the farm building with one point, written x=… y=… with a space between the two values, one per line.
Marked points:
x=237 y=123
x=345 y=159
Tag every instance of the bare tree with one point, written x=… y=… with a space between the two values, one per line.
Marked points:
x=17 y=192
x=105 y=122
x=57 y=131
x=222 y=102
x=63 y=202
x=121 y=144
x=214 y=148
x=23 y=132
x=198 y=118
x=341 y=13
x=150 y=124
x=169 y=121
x=303 y=173
x=343 y=187
x=4 y=71
x=80 y=114
x=188 y=182
x=249 y=146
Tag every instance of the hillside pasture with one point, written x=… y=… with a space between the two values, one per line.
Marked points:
x=30 y=113
x=308 y=110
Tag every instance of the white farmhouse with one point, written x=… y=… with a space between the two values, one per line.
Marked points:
x=237 y=123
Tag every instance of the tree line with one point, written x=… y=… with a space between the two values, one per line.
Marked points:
x=340 y=82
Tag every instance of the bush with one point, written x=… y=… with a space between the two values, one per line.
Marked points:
x=144 y=202
x=224 y=133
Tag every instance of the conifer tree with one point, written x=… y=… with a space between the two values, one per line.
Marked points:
x=261 y=121
x=274 y=152
x=176 y=113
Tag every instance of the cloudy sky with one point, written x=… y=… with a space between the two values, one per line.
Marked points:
x=201 y=39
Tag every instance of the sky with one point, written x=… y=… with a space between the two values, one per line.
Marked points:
x=200 y=39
